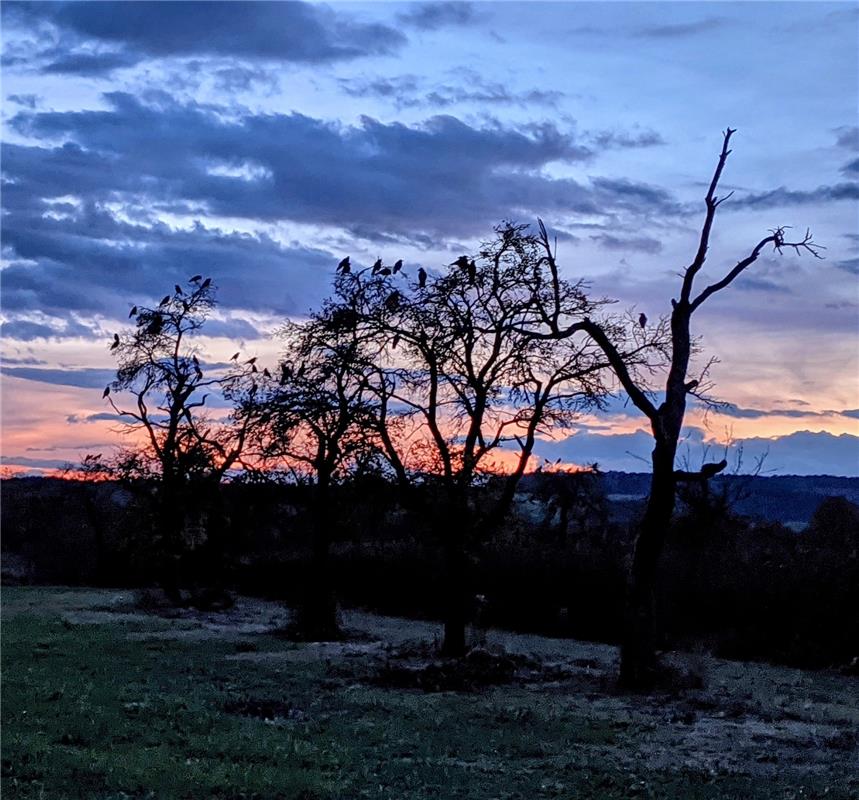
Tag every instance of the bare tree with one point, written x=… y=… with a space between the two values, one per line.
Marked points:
x=185 y=450
x=468 y=373
x=313 y=416
x=638 y=660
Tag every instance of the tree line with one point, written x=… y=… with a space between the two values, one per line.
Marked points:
x=438 y=385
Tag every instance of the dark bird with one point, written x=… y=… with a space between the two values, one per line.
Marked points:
x=398 y=265
x=266 y=372
x=251 y=360
x=133 y=312
x=164 y=300
x=178 y=289
x=392 y=301
x=195 y=360
x=642 y=320
x=254 y=368
x=422 y=278
x=198 y=372
x=385 y=271
x=106 y=392
x=235 y=356
x=344 y=266
x=300 y=372
x=155 y=326
x=461 y=262
x=377 y=266
x=206 y=283
x=395 y=342
x=195 y=279
x=472 y=271
x=115 y=341
x=285 y=374
x=709 y=470
x=253 y=390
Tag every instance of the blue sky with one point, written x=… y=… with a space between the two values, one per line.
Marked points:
x=259 y=142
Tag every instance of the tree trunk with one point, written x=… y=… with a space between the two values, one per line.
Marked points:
x=318 y=612
x=456 y=595
x=638 y=665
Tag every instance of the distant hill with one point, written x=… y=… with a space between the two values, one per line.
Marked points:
x=778 y=498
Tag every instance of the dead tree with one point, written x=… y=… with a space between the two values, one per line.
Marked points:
x=638 y=660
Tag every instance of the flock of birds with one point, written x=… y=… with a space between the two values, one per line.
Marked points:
x=344 y=267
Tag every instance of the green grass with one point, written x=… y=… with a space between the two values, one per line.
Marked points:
x=89 y=713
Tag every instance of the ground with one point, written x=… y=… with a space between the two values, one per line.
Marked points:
x=101 y=700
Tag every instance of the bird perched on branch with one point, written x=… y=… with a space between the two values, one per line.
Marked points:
x=642 y=320
x=106 y=392
x=206 y=283
x=178 y=289
x=195 y=279
x=398 y=265
x=133 y=312
x=251 y=360
x=392 y=301
x=164 y=300
x=155 y=326
x=385 y=271
x=709 y=470
x=461 y=262
x=422 y=278
x=377 y=266
x=472 y=271
x=344 y=266
x=235 y=356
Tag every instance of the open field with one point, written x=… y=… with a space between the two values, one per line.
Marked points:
x=103 y=701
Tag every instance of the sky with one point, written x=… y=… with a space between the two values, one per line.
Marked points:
x=261 y=142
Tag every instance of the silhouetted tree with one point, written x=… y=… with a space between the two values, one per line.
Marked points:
x=313 y=416
x=184 y=450
x=638 y=661
x=468 y=371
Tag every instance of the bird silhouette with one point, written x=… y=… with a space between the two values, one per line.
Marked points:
x=385 y=271
x=251 y=360
x=709 y=470
x=132 y=312
x=642 y=320
x=254 y=368
x=377 y=266
x=115 y=341
x=395 y=342
x=164 y=300
x=398 y=265
x=461 y=262
x=392 y=301
x=344 y=266
x=472 y=271
x=106 y=392
x=422 y=278
x=195 y=279
x=178 y=289
x=266 y=372
x=206 y=283
x=155 y=326
x=235 y=356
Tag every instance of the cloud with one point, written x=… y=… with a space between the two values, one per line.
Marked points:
x=850 y=265
x=640 y=244
x=682 y=29
x=616 y=140
x=847 y=136
x=435 y=15
x=409 y=91
x=85 y=199
x=783 y=196
x=851 y=168
x=78 y=419
x=853 y=413
x=26 y=100
x=79 y=378
x=107 y=35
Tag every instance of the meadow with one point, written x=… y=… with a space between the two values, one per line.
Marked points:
x=101 y=700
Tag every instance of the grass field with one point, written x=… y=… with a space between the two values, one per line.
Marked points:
x=101 y=702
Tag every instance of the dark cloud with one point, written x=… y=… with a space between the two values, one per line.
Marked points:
x=435 y=15
x=852 y=413
x=273 y=31
x=79 y=378
x=33 y=463
x=26 y=100
x=682 y=29
x=851 y=168
x=104 y=416
x=847 y=136
x=616 y=140
x=794 y=197
x=408 y=91
x=640 y=244
x=850 y=265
